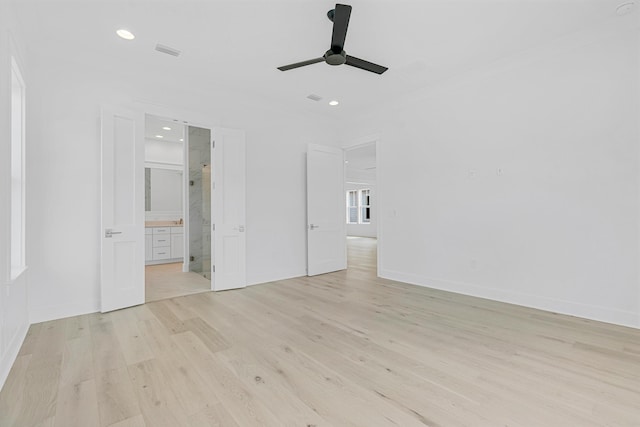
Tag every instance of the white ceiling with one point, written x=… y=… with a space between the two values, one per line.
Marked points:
x=155 y=127
x=238 y=44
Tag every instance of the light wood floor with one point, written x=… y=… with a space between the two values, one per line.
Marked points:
x=342 y=349
x=165 y=281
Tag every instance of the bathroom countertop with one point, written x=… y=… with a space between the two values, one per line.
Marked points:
x=162 y=224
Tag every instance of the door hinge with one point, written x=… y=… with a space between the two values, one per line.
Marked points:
x=213 y=227
x=213 y=268
x=213 y=143
x=213 y=185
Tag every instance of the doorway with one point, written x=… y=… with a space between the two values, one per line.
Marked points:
x=122 y=257
x=177 y=209
x=361 y=205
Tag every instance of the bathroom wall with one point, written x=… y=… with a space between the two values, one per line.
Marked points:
x=163 y=153
x=199 y=200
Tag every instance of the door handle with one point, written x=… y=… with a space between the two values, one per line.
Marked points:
x=108 y=233
x=241 y=229
x=313 y=226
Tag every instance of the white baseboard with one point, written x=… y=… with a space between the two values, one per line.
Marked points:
x=591 y=312
x=12 y=352
x=44 y=314
x=275 y=278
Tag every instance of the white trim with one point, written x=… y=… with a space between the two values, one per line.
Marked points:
x=163 y=165
x=591 y=312
x=17 y=272
x=17 y=269
x=276 y=278
x=55 y=312
x=637 y=90
x=11 y=353
x=363 y=141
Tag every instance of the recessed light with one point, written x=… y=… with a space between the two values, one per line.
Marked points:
x=125 y=34
x=159 y=136
x=181 y=139
x=333 y=103
x=166 y=128
x=625 y=8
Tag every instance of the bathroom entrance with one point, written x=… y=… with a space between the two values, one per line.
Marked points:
x=177 y=209
x=131 y=142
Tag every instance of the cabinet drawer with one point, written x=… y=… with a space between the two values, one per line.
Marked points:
x=161 y=253
x=176 y=230
x=161 y=230
x=161 y=241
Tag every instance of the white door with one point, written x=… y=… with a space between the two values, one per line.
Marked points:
x=228 y=253
x=326 y=225
x=122 y=222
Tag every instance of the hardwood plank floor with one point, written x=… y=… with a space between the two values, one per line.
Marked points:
x=341 y=349
x=164 y=281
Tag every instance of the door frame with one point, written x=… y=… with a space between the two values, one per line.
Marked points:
x=361 y=142
x=184 y=118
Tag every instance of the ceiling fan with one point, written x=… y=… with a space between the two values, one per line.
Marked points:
x=336 y=55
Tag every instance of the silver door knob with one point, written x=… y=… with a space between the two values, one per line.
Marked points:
x=108 y=232
x=313 y=226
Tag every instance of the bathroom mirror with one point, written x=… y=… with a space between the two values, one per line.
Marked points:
x=163 y=190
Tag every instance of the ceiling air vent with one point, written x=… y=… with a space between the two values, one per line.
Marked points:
x=168 y=50
x=314 y=97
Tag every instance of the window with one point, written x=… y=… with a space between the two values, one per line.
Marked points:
x=17 y=170
x=365 y=208
x=352 y=207
x=358 y=206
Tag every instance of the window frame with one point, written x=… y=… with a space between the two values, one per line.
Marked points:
x=359 y=206
x=362 y=206
x=350 y=206
x=17 y=246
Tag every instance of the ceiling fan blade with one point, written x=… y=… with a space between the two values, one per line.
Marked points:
x=340 y=23
x=365 y=65
x=300 y=64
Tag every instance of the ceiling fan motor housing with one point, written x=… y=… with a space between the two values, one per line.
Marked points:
x=333 y=58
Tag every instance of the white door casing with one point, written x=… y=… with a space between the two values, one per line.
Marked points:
x=228 y=250
x=326 y=227
x=122 y=209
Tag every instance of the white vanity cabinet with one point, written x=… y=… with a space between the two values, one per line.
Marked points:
x=148 y=244
x=177 y=242
x=163 y=244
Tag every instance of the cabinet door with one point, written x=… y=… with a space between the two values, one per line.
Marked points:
x=148 y=247
x=177 y=246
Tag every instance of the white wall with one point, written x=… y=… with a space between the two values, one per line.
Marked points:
x=158 y=154
x=64 y=174
x=166 y=190
x=519 y=182
x=13 y=292
x=163 y=151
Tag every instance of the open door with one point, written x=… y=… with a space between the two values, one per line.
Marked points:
x=229 y=242
x=122 y=220
x=326 y=228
